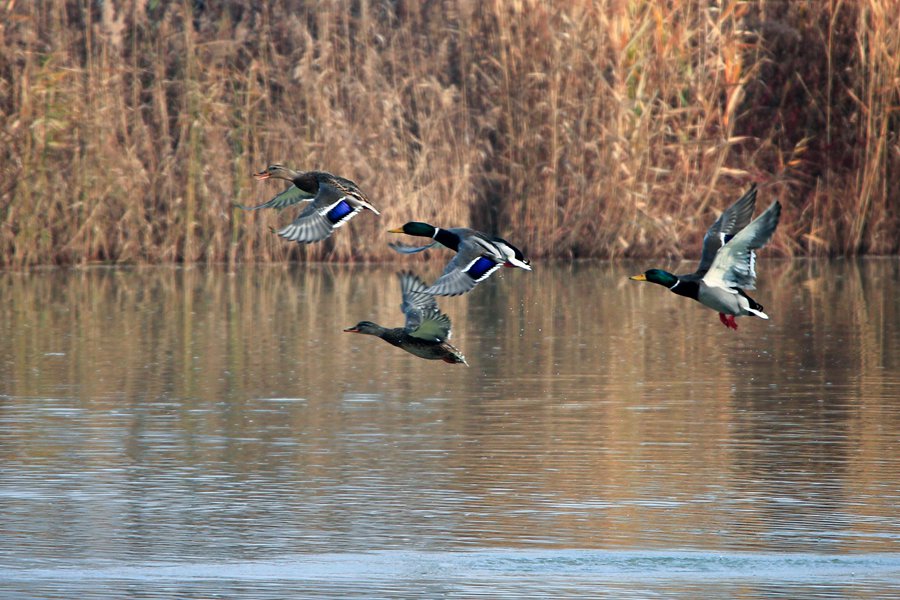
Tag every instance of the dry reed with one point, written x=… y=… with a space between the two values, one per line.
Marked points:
x=575 y=129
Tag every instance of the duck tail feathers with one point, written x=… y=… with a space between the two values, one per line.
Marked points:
x=753 y=307
x=750 y=301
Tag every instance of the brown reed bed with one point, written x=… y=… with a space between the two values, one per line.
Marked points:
x=576 y=129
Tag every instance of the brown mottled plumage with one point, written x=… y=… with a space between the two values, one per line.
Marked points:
x=334 y=201
x=427 y=329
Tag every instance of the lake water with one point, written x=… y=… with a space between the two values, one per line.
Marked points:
x=199 y=433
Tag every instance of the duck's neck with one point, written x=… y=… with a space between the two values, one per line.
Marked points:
x=391 y=336
x=673 y=283
x=689 y=289
x=446 y=238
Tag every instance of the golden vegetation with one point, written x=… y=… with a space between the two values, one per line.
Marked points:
x=608 y=128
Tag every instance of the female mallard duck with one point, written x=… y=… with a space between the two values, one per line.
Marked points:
x=478 y=255
x=335 y=201
x=427 y=329
x=727 y=264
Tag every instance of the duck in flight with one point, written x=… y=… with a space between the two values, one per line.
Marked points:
x=426 y=332
x=728 y=262
x=478 y=255
x=333 y=201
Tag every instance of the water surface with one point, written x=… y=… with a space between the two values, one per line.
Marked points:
x=193 y=432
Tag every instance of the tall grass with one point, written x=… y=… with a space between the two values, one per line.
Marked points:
x=605 y=128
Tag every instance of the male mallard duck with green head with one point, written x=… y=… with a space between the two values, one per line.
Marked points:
x=728 y=262
x=478 y=255
x=427 y=329
x=334 y=201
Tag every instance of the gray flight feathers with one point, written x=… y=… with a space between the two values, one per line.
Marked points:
x=288 y=197
x=404 y=249
x=424 y=320
x=311 y=225
x=455 y=279
x=732 y=220
x=314 y=224
x=734 y=265
x=478 y=256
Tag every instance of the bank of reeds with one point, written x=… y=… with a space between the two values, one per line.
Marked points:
x=605 y=128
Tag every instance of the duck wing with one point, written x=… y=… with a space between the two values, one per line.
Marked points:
x=404 y=249
x=330 y=210
x=415 y=298
x=288 y=197
x=735 y=263
x=476 y=260
x=423 y=318
x=348 y=189
x=732 y=220
x=435 y=327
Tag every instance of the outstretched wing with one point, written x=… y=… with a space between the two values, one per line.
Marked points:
x=735 y=264
x=404 y=249
x=423 y=318
x=330 y=210
x=475 y=262
x=435 y=326
x=288 y=197
x=415 y=298
x=732 y=220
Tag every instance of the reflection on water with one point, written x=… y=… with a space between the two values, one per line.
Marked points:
x=183 y=419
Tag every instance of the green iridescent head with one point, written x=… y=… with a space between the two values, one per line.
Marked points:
x=415 y=228
x=659 y=276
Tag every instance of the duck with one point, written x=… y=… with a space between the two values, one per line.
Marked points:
x=426 y=333
x=334 y=201
x=478 y=255
x=728 y=262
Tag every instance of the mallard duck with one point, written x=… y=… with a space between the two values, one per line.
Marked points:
x=335 y=201
x=427 y=329
x=478 y=256
x=728 y=262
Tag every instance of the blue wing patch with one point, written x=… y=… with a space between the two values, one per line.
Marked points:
x=340 y=210
x=480 y=267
